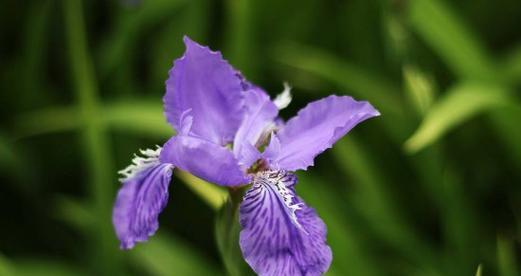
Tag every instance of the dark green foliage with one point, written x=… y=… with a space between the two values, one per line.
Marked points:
x=432 y=187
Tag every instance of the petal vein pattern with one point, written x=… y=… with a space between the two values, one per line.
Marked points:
x=141 y=198
x=280 y=234
x=316 y=128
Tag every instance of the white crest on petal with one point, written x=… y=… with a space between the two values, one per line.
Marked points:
x=283 y=99
x=281 y=181
x=149 y=158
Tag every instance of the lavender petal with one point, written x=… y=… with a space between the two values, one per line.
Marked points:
x=204 y=159
x=139 y=202
x=204 y=82
x=316 y=128
x=281 y=235
x=259 y=115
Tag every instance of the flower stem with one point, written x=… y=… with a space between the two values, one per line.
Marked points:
x=94 y=139
x=227 y=230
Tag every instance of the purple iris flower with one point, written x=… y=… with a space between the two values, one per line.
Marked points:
x=229 y=133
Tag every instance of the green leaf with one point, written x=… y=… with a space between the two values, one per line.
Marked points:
x=9 y=159
x=240 y=25
x=95 y=142
x=419 y=87
x=45 y=267
x=227 y=229
x=35 y=49
x=511 y=66
x=166 y=255
x=373 y=200
x=345 y=237
x=37 y=267
x=506 y=257
x=142 y=117
x=505 y=123
x=213 y=195
x=49 y=120
x=448 y=36
x=369 y=184
x=161 y=255
x=129 y=25
x=382 y=93
x=460 y=104
x=479 y=271
x=75 y=213
x=6 y=267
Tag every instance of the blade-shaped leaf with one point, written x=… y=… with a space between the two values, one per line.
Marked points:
x=479 y=271
x=419 y=88
x=142 y=117
x=130 y=24
x=37 y=267
x=347 y=239
x=458 y=105
x=227 y=230
x=511 y=66
x=166 y=255
x=448 y=36
x=506 y=257
x=382 y=93
x=213 y=195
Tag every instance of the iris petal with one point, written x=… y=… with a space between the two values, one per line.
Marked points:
x=281 y=235
x=204 y=159
x=139 y=201
x=259 y=115
x=204 y=82
x=316 y=128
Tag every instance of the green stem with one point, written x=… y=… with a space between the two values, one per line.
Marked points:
x=94 y=138
x=227 y=231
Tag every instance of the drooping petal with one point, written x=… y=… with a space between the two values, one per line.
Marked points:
x=316 y=128
x=142 y=197
x=259 y=115
x=204 y=159
x=204 y=82
x=281 y=235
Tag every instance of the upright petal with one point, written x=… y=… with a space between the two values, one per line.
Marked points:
x=316 y=128
x=204 y=159
x=280 y=235
x=204 y=82
x=259 y=115
x=142 y=197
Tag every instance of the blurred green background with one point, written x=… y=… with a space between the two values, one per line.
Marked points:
x=432 y=187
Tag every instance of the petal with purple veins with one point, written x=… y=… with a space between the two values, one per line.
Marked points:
x=204 y=159
x=139 y=201
x=316 y=128
x=281 y=235
x=204 y=82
